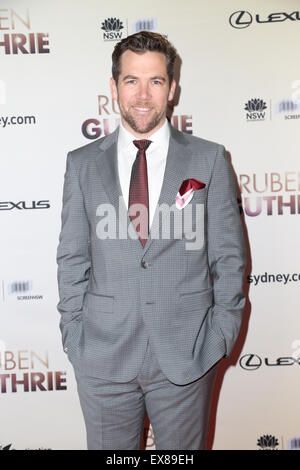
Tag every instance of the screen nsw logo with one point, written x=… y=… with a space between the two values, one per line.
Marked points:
x=259 y=109
x=144 y=24
x=293 y=443
x=289 y=107
x=20 y=290
x=114 y=29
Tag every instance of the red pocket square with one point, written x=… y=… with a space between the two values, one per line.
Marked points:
x=186 y=192
x=189 y=184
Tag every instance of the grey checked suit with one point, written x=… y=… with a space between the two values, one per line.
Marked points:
x=116 y=295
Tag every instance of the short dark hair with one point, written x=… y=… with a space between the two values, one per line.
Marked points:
x=142 y=42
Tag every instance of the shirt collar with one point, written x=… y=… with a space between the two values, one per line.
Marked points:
x=160 y=137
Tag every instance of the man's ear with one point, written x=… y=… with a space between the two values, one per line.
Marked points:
x=113 y=89
x=172 y=90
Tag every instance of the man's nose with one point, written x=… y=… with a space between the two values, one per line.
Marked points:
x=144 y=91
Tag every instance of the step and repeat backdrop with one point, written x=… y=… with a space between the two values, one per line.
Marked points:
x=239 y=85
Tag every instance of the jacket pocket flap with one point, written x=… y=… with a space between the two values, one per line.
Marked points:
x=197 y=300
x=99 y=302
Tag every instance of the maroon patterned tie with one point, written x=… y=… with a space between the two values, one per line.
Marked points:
x=138 y=192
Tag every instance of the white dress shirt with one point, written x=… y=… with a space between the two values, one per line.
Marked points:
x=156 y=156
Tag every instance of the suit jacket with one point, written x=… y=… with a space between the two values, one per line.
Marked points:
x=116 y=295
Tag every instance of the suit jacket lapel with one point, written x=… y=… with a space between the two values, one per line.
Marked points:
x=108 y=168
x=107 y=161
x=178 y=159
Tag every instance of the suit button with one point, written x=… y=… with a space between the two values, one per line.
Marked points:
x=144 y=264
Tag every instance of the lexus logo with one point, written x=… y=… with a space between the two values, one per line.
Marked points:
x=250 y=362
x=240 y=19
x=253 y=362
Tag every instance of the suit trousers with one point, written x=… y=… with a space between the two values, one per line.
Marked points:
x=114 y=412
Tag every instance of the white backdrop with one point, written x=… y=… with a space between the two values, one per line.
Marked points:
x=55 y=64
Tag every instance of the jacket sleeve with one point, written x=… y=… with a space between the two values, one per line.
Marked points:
x=73 y=252
x=226 y=251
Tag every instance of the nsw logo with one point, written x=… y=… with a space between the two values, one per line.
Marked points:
x=255 y=108
x=114 y=29
x=267 y=442
x=6 y=447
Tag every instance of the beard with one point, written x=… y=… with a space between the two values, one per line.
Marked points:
x=137 y=124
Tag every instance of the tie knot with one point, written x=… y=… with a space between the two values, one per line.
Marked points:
x=142 y=144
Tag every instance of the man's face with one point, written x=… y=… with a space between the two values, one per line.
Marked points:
x=143 y=92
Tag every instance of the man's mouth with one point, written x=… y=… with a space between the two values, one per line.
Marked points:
x=142 y=109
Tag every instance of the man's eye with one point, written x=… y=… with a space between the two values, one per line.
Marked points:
x=131 y=81
x=156 y=82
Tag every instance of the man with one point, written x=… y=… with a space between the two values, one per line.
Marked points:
x=146 y=313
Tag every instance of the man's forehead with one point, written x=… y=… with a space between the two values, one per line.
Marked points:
x=146 y=61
